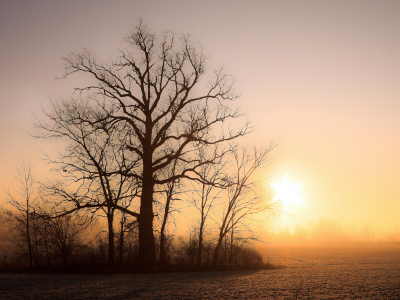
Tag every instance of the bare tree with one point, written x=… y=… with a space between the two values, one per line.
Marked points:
x=126 y=226
x=65 y=233
x=170 y=192
x=90 y=167
x=242 y=199
x=22 y=198
x=204 y=196
x=150 y=90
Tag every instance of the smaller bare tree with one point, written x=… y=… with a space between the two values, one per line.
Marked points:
x=126 y=225
x=92 y=165
x=65 y=234
x=242 y=198
x=22 y=198
x=170 y=192
x=204 y=195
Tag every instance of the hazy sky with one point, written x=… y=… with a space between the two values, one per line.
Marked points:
x=321 y=78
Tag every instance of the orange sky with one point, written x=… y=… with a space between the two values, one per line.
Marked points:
x=321 y=78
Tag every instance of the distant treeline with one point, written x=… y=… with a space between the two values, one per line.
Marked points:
x=331 y=230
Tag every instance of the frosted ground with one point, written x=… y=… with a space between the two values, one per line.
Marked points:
x=311 y=273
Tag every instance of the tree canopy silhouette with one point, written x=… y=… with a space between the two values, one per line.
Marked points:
x=165 y=113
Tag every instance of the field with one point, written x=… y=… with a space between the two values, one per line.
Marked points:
x=371 y=272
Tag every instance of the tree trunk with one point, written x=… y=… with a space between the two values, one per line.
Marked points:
x=110 y=219
x=121 y=241
x=217 y=251
x=28 y=236
x=231 y=249
x=200 y=252
x=162 y=259
x=147 y=253
x=222 y=233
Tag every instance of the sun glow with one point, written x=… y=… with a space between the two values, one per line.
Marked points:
x=288 y=193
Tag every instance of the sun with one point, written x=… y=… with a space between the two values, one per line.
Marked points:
x=288 y=193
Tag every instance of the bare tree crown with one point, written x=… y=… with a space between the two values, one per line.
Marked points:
x=151 y=89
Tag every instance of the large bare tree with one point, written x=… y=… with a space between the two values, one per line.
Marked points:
x=154 y=89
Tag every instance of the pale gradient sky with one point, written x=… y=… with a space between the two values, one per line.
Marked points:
x=321 y=78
